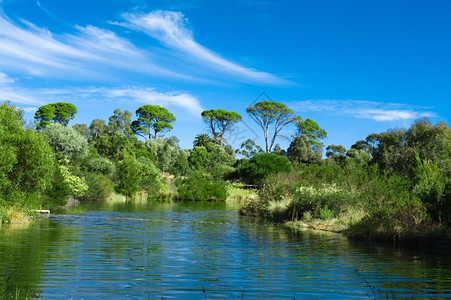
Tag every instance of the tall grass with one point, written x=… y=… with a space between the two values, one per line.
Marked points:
x=363 y=202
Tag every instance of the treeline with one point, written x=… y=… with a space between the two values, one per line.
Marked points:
x=395 y=183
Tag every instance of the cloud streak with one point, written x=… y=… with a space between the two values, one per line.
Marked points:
x=170 y=28
x=139 y=95
x=377 y=111
x=92 y=52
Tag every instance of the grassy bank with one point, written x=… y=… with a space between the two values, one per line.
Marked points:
x=360 y=202
x=16 y=216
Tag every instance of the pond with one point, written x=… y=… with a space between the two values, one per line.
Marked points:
x=203 y=250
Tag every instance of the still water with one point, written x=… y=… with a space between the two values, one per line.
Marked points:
x=204 y=250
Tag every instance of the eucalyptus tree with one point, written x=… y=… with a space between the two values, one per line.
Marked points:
x=82 y=129
x=312 y=132
x=97 y=128
x=121 y=122
x=337 y=153
x=267 y=113
x=248 y=148
x=219 y=121
x=59 y=112
x=152 y=118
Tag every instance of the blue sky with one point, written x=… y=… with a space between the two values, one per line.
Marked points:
x=355 y=67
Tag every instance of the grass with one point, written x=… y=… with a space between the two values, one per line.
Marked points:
x=237 y=194
x=15 y=216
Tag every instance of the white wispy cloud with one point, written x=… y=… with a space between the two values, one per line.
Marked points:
x=378 y=111
x=170 y=28
x=89 y=52
x=151 y=96
x=139 y=95
x=5 y=79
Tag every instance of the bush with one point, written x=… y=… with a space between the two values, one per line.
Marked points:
x=100 y=165
x=199 y=186
x=256 y=169
x=99 y=187
x=67 y=143
x=152 y=181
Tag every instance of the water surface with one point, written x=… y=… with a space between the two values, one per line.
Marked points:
x=203 y=250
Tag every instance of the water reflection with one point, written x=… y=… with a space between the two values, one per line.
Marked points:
x=203 y=251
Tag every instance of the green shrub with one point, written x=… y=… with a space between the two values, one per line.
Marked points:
x=152 y=180
x=100 y=165
x=325 y=213
x=260 y=166
x=199 y=186
x=99 y=187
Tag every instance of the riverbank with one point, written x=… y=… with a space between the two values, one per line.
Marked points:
x=16 y=216
x=357 y=221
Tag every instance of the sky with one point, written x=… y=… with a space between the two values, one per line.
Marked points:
x=355 y=67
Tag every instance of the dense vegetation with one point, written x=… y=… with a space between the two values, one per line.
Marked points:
x=394 y=184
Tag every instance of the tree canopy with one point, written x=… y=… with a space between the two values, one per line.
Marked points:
x=266 y=113
x=219 y=121
x=152 y=118
x=59 y=112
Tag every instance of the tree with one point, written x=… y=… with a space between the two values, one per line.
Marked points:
x=219 y=121
x=152 y=118
x=97 y=128
x=67 y=143
x=312 y=131
x=266 y=113
x=129 y=173
x=26 y=160
x=337 y=153
x=82 y=129
x=121 y=122
x=202 y=139
x=59 y=112
x=248 y=148
x=300 y=150
x=256 y=169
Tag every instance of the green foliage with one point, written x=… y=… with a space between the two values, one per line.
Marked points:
x=26 y=160
x=180 y=166
x=97 y=128
x=266 y=113
x=325 y=213
x=199 y=186
x=100 y=165
x=212 y=159
x=152 y=181
x=337 y=153
x=249 y=148
x=431 y=188
x=301 y=151
x=66 y=142
x=76 y=185
x=219 y=121
x=59 y=112
x=111 y=145
x=82 y=129
x=129 y=175
x=166 y=153
x=120 y=123
x=256 y=169
x=100 y=187
x=202 y=140
x=311 y=130
x=152 y=118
